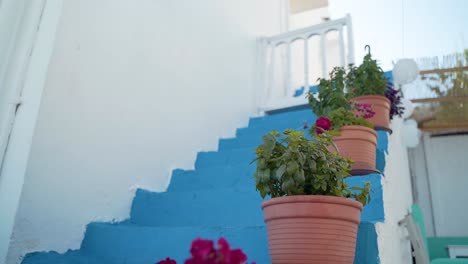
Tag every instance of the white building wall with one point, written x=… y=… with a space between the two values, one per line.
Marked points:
x=134 y=90
x=394 y=246
x=446 y=179
x=306 y=19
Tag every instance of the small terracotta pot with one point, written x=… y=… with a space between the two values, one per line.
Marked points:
x=381 y=107
x=358 y=143
x=309 y=229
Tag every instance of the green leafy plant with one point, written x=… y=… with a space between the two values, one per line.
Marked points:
x=367 y=79
x=331 y=93
x=290 y=164
x=343 y=117
x=331 y=102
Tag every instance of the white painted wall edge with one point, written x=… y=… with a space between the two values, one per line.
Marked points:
x=17 y=154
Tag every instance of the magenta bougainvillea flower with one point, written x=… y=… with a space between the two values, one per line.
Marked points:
x=167 y=261
x=365 y=110
x=201 y=248
x=204 y=252
x=322 y=124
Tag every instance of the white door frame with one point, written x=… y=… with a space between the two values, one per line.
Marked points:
x=22 y=76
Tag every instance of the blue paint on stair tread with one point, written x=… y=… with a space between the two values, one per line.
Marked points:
x=213 y=177
x=131 y=244
x=231 y=157
x=373 y=212
x=299 y=115
x=220 y=207
x=367 y=250
x=226 y=207
x=106 y=243
x=380 y=160
x=69 y=257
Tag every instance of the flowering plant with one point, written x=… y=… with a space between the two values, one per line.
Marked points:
x=290 y=164
x=396 y=105
x=342 y=117
x=204 y=252
x=333 y=106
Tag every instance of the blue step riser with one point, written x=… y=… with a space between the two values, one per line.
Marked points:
x=296 y=116
x=244 y=156
x=121 y=244
x=134 y=245
x=137 y=245
x=212 y=176
x=221 y=207
x=252 y=141
x=227 y=157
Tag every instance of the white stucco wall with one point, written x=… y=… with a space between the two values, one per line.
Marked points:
x=306 y=19
x=394 y=247
x=134 y=90
x=447 y=173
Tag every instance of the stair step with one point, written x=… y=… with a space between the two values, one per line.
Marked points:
x=52 y=257
x=226 y=157
x=213 y=177
x=367 y=249
x=131 y=244
x=226 y=207
x=123 y=243
x=252 y=140
x=220 y=207
x=296 y=116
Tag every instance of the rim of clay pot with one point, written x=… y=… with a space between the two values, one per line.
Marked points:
x=386 y=129
x=364 y=171
x=378 y=97
x=313 y=198
x=357 y=127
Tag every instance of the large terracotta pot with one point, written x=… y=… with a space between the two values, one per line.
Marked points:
x=309 y=229
x=358 y=143
x=381 y=107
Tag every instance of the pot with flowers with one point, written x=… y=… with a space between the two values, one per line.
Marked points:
x=355 y=137
x=367 y=85
x=312 y=216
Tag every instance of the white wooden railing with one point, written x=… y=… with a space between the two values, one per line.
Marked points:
x=276 y=76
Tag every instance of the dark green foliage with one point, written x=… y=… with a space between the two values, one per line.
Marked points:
x=290 y=164
x=342 y=117
x=331 y=93
x=367 y=79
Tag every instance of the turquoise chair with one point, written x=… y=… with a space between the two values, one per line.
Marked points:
x=435 y=248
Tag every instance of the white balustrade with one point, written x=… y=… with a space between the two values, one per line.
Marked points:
x=277 y=75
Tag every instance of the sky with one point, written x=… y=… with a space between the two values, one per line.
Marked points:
x=405 y=28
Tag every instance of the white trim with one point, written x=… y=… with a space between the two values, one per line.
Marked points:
x=33 y=50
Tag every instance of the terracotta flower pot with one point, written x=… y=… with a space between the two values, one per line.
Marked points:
x=359 y=144
x=381 y=107
x=308 y=229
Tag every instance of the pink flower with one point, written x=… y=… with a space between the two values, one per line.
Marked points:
x=364 y=110
x=306 y=126
x=224 y=248
x=237 y=257
x=322 y=124
x=203 y=252
x=167 y=261
x=201 y=248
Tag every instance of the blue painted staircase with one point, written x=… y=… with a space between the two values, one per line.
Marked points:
x=216 y=199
